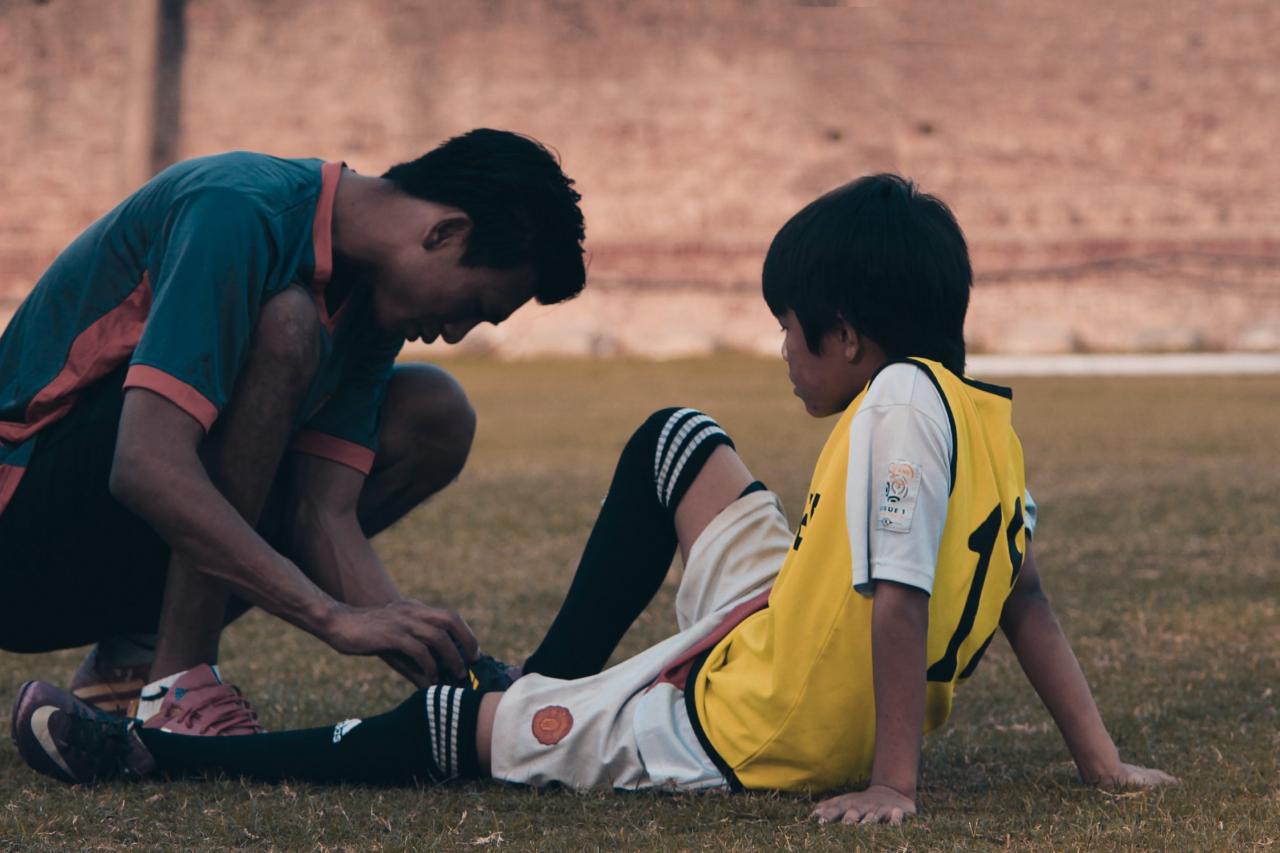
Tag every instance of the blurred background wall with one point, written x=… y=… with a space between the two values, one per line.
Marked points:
x=1113 y=164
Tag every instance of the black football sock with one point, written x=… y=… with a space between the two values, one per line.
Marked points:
x=631 y=546
x=431 y=737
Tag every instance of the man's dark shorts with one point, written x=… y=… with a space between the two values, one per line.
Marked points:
x=76 y=566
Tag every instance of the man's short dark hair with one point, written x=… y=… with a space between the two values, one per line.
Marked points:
x=888 y=259
x=524 y=209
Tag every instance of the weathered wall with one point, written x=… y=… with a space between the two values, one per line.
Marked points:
x=1108 y=161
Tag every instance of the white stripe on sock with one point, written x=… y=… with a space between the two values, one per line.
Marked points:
x=662 y=438
x=693 y=424
x=433 y=699
x=453 y=736
x=684 y=457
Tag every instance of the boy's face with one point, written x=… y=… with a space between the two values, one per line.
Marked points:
x=826 y=381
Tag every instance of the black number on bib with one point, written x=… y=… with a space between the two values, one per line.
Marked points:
x=982 y=542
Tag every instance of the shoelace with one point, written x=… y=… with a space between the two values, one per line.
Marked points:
x=490 y=674
x=216 y=710
x=99 y=738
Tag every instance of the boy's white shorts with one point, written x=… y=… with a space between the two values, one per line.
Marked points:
x=613 y=729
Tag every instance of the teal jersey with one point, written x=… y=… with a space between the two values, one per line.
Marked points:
x=171 y=283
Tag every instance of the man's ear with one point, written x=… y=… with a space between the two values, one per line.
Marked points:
x=851 y=341
x=455 y=226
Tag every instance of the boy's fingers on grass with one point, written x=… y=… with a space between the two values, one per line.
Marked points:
x=868 y=806
x=891 y=815
x=1149 y=777
x=1134 y=776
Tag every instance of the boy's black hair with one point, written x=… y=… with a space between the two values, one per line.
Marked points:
x=524 y=209
x=887 y=258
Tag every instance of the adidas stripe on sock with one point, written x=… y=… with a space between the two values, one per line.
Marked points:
x=685 y=431
x=452 y=716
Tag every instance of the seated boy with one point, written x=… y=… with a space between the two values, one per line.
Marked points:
x=808 y=659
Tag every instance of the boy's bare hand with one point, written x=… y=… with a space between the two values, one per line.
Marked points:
x=1133 y=776
x=877 y=804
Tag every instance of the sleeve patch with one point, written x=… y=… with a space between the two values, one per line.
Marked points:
x=898 y=500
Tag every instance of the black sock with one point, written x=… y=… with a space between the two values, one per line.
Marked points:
x=631 y=546
x=431 y=737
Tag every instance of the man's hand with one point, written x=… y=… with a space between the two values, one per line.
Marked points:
x=1132 y=776
x=418 y=641
x=877 y=804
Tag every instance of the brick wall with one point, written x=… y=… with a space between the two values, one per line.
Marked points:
x=1097 y=154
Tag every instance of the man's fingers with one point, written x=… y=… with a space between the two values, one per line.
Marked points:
x=407 y=669
x=458 y=630
x=441 y=644
x=421 y=657
x=451 y=623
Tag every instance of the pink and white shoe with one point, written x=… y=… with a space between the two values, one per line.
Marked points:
x=198 y=703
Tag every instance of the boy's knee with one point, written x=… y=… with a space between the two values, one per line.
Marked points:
x=671 y=446
x=287 y=336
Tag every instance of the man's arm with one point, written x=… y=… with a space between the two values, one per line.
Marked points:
x=157 y=473
x=331 y=546
x=1045 y=655
x=899 y=638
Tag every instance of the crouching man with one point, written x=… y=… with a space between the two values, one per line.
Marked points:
x=200 y=411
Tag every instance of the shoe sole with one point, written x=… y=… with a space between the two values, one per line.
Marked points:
x=13 y=712
x=41 y=762
x=115 y=697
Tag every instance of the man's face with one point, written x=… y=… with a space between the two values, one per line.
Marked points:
x=426 y=293
x=826 y=381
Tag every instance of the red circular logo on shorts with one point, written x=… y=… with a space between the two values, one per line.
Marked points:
x=551 y=724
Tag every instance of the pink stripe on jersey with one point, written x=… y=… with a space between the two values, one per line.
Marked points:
x=347 y=453
x=174 y=390
x=322 y=239
x=9 y=477
x=677 y=672
x=95 y=352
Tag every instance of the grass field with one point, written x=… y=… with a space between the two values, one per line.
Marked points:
x=1158 y=543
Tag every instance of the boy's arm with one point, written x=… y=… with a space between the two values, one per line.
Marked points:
x=899 y=632
x=1051 y=667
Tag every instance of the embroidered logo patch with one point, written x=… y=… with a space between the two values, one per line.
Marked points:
x=551 y=724
x=901 y=488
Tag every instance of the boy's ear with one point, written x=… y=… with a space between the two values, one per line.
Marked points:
x=851 y=341
x=455 y=226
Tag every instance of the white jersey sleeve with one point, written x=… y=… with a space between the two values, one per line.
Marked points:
x=897 y=484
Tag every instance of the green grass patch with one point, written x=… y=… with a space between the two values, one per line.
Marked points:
x=1157 y=543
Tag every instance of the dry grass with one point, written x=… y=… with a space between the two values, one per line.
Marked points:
x=1158 y=544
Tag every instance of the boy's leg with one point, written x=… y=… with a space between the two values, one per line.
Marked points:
x=436 y=735
x=676 y=473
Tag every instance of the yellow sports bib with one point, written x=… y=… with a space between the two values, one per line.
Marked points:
x=786 y=698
